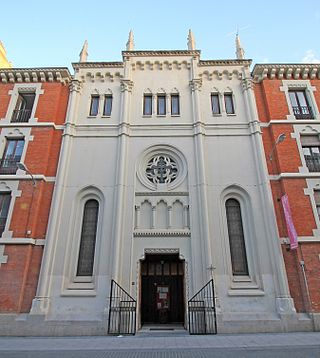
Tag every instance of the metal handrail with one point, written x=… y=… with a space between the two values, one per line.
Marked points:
x=21 y=115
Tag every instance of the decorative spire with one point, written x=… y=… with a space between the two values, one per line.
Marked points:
x=191 y=41
x=239 y=49
x=4 y=63
x=84 y=52
x=130 y=43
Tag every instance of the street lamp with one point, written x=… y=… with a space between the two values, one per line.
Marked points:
x=279 y=140
x=23 y=167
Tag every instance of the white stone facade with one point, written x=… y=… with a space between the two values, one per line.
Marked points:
x=216 y=156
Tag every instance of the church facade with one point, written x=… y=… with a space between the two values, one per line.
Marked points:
x=162 y=188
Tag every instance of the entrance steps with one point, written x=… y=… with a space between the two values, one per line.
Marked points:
x=162 y=330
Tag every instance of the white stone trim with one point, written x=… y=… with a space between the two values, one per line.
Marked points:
x=14 y=93
x=285 y=240
x=4 y=124
x=22 y=241
x=312 y=185
x=287 y=85
x=3 y=257
x=12 y=187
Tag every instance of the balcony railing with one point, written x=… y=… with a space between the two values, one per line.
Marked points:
x=313 y=163
x=303 y=112
x=9 y=166
x=21 y=115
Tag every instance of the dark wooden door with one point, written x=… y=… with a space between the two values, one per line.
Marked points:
x=162 y=298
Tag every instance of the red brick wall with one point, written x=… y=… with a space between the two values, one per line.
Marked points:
x=19 y=276
x=4 y=98
x=272 y=105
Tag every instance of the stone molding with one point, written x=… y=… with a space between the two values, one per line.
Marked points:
x=220 y=75
x=161 y=53
x=225 y=62
x=20 y=75
x=22 y=241
x=286 y=71
x=78 y=65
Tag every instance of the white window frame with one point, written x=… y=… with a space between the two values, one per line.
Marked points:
x=14 y=93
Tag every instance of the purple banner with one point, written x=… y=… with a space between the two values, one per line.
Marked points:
x=290 y=227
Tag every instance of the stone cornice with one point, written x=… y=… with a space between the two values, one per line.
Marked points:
x=233 y=62
x=77 y=65
x=29 y=75
x=286 y=71
x=160 y=53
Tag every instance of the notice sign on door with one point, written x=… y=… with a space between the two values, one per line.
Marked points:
x=163 y=297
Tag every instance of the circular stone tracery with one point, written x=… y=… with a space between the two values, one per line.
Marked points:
x=161 y=169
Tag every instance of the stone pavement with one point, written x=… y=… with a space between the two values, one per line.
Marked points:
x=160 y=340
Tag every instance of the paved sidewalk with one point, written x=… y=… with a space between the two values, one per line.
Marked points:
x=160 y=341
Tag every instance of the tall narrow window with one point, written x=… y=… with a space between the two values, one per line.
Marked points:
x=215 y=105
x=107 y=108
x=175 y=105
x=161 y=105
x=11 y=156
x=228 y=101
x=88 y=238
x=147 y=105
x=236 y=238
x=300 y=105
x=94 y=106
x=23 y=109
x=5 y=199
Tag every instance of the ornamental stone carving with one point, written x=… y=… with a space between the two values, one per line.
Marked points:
x=126 y=85
x=161 y=169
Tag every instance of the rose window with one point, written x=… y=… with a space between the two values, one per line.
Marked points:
x=161 y=169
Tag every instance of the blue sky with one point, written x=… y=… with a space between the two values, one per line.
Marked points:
x=51 y=33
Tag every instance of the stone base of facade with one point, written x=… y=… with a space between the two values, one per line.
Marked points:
x=36 y=325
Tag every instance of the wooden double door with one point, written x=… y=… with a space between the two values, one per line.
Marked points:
x=162 y=289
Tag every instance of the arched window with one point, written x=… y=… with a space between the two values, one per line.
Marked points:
x=88 y=238
x=236 y=238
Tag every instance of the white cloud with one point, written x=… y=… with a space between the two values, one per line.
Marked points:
x=311 y=57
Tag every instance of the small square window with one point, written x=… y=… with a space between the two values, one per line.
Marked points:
x=94 y=107
x=161 y=105
x=147 y=105
x=175 y=105
x=107 y=108
x=215 y=105
x=228 y=101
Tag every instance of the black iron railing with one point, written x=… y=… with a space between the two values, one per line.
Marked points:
x=122 y=311
x=8 y=165
x=313 y=163
x=21 y=115
x=202 y=318
x=303 y=112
